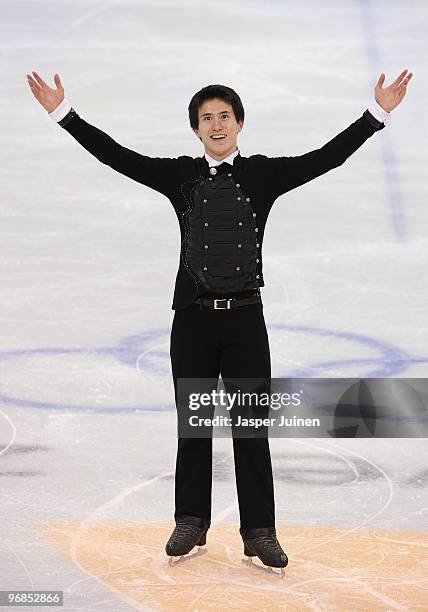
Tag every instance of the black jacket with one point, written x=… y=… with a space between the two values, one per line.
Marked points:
x=262 y=178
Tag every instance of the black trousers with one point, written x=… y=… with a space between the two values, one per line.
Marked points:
x=234 y=343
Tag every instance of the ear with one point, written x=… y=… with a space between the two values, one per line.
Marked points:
x=241 y=124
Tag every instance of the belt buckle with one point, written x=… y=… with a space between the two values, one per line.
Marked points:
x=227 y=307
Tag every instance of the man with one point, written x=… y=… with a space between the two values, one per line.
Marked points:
x=222 y=201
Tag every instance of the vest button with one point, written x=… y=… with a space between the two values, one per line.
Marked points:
x=205 y=201
x=205 y=268
x=256 y=229
x=254 y=214
x=213 y=171
x=229 y=174
x=247 y=199
x=238 y=185
x=257 y=276
x=257 y=260
x=209 y=178
x=206 y=224
x=237 y=268
x=238 y=198
x=240 y=223
x=205 y=246
x=239 y=246
x=257 y=245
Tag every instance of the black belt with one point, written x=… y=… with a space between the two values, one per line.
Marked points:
x=228 y=303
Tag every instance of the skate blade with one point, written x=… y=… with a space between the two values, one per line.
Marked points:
x=278 y=572
x=184 y=558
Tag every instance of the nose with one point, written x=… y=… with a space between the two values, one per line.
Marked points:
x=217 y=123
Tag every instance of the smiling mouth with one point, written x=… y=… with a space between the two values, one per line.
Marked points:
x=218 y=137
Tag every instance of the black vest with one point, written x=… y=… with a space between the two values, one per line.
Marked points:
x=221 y=247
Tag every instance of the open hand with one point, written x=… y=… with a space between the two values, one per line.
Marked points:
x=391 y=96
x=49 y=98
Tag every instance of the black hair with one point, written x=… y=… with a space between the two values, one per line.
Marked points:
x=215 y=91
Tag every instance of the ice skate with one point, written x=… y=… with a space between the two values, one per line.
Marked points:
x=263 y=543
x=183 y=540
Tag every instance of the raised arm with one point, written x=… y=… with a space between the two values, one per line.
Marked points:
x=159 y=173
x=286 y=173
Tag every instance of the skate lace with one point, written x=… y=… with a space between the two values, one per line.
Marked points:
x=181 y=532
x=270 y=543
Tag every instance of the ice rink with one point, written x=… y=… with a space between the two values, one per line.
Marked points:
x=87 y=270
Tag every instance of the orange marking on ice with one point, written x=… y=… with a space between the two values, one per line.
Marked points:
x=368 y=569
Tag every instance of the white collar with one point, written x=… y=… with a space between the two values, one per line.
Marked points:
x=215 y=162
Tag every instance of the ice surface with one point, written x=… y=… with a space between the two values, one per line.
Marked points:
x=88 y=262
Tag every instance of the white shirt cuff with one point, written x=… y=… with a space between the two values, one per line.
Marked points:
x=60 y=111
x=378 y=112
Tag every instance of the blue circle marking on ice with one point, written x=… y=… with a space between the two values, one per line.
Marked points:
x=392 y=360
x=146 y=350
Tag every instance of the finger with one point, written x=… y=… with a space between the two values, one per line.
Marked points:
x=58 y=81
x=32 y=82
x=399 y=78
x=35 y=88
x=404 y=83
x=36 y=93
x=39 y=79
x=380 y=80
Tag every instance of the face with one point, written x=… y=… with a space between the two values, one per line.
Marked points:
x=216 y=118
